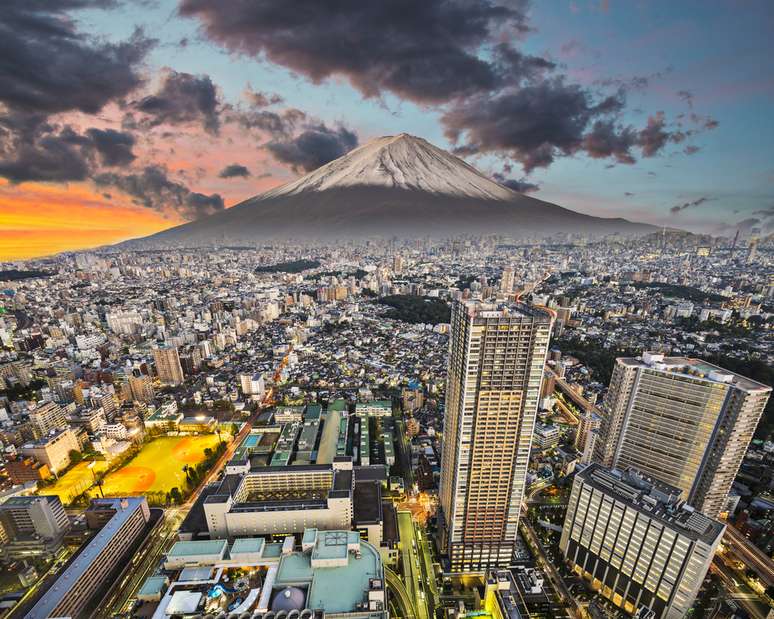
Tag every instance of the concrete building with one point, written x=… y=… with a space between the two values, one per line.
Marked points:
x=140 y=389
x=281 y=500
x=636 y=542
x=546 y=436
x=496 y=358
x=47 y=416
x=252 y=384
x=168 y=366
x=588 y=423
x=53 y=450
x=32 y=525
x=683 y=421
x=333 y=573
x=74 y=590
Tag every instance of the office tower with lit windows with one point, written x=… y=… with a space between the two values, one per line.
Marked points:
x=636 y=542
x=683 y=421
x=168 y=365
x=496 y=358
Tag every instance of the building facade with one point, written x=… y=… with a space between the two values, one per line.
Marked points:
x=496 y=359
x=636 y=542
x=168 y=366
x=77 y=585
x=683 y=421
x=53 y=450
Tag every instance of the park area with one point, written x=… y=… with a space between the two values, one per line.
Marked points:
x=157 y=468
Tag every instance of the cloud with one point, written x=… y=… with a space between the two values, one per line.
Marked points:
x=48 y=156
x=520 y=186
x=152 y=188
x=691 y=204
x=427 y=51
x=462 y=58
x=533 y=124
x=235 y=169
x=182 y=98
x=260 y=99
x=315 y=146
x=49 y=67
x=606 y=140
x=114 y=147
x=277 y=124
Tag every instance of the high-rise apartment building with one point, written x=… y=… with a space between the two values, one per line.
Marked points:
x=636 y=542
x=168 y=365
x=47 y=416
x=684 y=421
x=496 y=358
x=140 y=388
x=507 y=281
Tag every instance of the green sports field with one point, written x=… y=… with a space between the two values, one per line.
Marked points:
x=157 y=468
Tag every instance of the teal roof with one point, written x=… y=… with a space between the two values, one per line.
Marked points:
x=200 y=547
x=247 y=544
x=295 y=568
x=342 y=589
x=272 y=551
x=153 y=586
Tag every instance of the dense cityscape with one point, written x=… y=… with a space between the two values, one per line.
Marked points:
x=463 y=428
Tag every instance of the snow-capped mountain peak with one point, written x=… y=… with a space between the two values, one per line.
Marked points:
x=402 y=162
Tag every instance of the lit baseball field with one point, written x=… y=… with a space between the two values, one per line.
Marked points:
x=157 y=468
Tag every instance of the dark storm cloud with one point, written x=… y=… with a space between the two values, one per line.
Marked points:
x=32 y=149
x=494 y=98
x=521 y=186
x=691 y=204
x=607 y=140
x=183 y=98
x=533 y=124
x=152 y=188
x=235 y=169
x=49 y=67
x=50 y=158
x=424 y=51
x=315 y=146
x=114 y=147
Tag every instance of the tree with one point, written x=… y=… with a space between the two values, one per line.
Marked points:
x=75 y=456
x=175 y=494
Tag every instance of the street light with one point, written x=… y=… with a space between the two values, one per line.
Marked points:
x=97 y=482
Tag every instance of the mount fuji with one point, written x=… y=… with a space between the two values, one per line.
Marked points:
x=392 y=186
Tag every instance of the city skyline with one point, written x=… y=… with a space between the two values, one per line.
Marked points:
x=197 y=114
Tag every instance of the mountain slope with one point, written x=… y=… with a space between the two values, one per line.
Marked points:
x=392 y=186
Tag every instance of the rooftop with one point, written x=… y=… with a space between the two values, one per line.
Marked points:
x=200 y=547
x=656 y=499
x=125 y=508
x=697 y=368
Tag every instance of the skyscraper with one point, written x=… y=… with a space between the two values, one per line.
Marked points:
x=168 y=365
x=683 y=421
x=496 y=358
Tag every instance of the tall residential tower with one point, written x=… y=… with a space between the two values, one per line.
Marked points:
x=168 y=366
x=496 y=358
x=683 y=421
